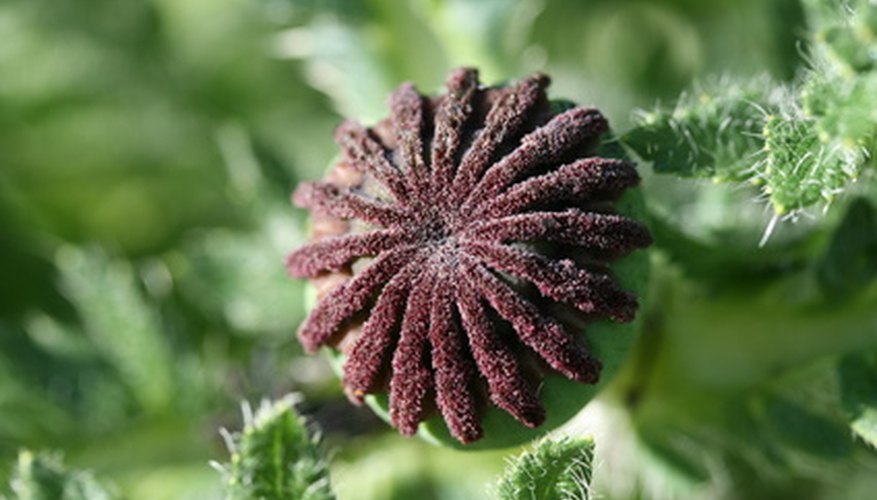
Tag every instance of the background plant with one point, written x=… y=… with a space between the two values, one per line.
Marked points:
x=148 y=150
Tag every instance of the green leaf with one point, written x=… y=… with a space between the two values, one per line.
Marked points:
x=798 y=428
x=723 y=262
x=274 y=457
x=43 y=477
x=713 y=131
x=850 y=263
x=120 y=323
x=234 y=275
x=858 y=377
x=671 y=452
x=553 y=470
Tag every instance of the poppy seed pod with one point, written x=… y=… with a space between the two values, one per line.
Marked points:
x=473 y=259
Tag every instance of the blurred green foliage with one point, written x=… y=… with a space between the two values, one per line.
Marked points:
x=44 y=477
x=147 y=150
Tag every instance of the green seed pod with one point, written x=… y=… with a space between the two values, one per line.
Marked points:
x=475 y=262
